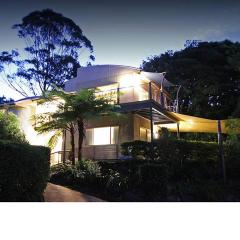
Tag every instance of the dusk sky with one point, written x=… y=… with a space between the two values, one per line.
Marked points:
x=127 y=32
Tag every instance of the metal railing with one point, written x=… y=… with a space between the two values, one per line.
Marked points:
x=57 y=157
x=137 y=93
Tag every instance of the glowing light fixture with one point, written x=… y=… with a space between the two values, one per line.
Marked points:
x=129 y=80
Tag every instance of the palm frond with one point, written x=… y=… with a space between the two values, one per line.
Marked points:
x=54 y=139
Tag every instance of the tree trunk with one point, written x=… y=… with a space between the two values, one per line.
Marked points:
x=64 y=146
x=72 y=145
x=80 y=138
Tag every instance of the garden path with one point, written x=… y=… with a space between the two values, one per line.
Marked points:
x=56 y=193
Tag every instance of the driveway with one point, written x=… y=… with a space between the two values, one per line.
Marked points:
x=56 y=193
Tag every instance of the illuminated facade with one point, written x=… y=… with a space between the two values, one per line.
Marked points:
x=25 y=109
x=144 y=104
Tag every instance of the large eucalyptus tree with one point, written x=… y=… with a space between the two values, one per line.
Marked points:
x=51 y=55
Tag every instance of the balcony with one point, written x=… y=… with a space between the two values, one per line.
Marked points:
x=137 y=93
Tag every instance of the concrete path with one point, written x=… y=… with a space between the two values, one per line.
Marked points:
x=56 y=193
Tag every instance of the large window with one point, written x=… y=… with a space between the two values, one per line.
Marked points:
x=102 y=135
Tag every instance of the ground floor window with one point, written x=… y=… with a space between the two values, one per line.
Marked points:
x=102 y=135
x=145 y=134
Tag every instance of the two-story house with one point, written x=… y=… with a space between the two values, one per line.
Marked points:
x=144 y=104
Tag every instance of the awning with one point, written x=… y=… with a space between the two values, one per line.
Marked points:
x=194 y=124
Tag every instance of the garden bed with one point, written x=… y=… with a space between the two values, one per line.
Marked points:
x=190 y=172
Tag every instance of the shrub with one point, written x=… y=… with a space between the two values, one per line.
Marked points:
x=153 y=179
x=24 y=171
x=171 y=150
x=206 y=137
x=90 y=167
x=9 y=128
x=85 y=172
x=137 y=149
x=62 y=174
x=232 y=157
x=116 y=183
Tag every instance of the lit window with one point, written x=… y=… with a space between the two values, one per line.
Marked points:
x=102 y=135
x=145 y=134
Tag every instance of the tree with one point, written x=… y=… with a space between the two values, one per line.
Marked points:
x=54 y=45
x=3 y=100
x=73 y=111
x=9 y=128
x=85 y=106
x=209 y=73
x=59 y=121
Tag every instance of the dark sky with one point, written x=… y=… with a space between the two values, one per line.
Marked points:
x=127 y=32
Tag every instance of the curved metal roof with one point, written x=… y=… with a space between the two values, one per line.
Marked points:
x=100 y=75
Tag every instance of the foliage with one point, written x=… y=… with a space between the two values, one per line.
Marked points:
x=233 y=130
x=9 y=128
x=24 y=171
x=205 y=137
x=54 y=44
x=85 y=172
x=153 y=179
x=163 y=150
x=62 y=174
x=86 y=105
x=72 y=112
x=52 y=142
x=89 y=167
x=163 y=133
x=3 y=100
x=190 y=172
x=232 y=156
x=58 y=121
x=136 y=149
x=116 y=182
x=202 y=191
x=209 y=74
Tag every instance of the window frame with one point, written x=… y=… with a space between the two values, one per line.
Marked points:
x=147 y=138
x=111 y=128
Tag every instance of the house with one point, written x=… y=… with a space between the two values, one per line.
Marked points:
x=144 y=102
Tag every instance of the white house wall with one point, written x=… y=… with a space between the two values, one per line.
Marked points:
x=25 y=114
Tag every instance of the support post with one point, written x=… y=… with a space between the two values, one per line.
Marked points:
x=221 y=153
x=151 y=123
x=177 y=107
x=150 y=91
x=151 y=117
x=64 y=146
x=178 y=132
x=118 y=95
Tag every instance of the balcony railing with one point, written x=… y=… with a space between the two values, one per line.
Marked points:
x=137 y=93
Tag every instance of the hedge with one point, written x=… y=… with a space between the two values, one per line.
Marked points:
x=171 y=149
x=24 y=171
x=153 y=179
x=194 y=158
